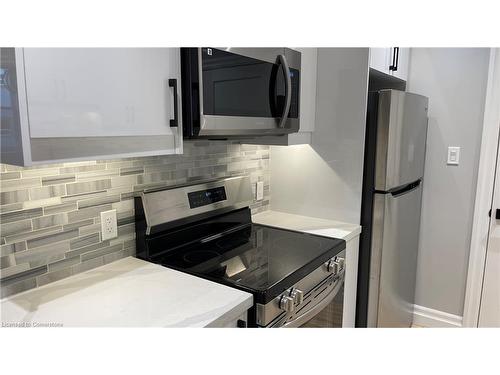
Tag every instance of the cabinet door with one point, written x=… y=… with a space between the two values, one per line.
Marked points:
x=11 y=145
x=380 y=59
x=94 y=92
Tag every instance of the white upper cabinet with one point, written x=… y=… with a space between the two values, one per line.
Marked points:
x=94 y=103
x=91 y=92
x=380 y=59
x=392 y=61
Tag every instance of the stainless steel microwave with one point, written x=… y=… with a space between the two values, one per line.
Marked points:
x=240 y=92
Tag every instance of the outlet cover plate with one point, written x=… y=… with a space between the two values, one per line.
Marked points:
x=109 y=225
x=453 y=156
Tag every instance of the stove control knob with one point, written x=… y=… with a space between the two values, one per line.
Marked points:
x=340 y=262
x=297 y=295
x=332 y=266
x=286 y=304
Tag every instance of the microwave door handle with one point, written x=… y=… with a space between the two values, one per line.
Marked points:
x=288 y=90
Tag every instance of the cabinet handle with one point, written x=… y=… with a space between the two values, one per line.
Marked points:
x=175 y=121
x=395 y=60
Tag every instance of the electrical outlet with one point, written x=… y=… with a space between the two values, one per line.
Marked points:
x=259 y=191
x=109 y=225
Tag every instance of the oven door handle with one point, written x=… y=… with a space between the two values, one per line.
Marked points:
x=288 y=90
x=309 y=314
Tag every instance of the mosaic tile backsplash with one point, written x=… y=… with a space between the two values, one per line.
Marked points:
x=50 y=215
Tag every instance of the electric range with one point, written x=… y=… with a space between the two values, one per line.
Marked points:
x=206 y=230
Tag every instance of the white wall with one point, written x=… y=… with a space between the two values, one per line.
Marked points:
x=455 y=82
x=325 y=179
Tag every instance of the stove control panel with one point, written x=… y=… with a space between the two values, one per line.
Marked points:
x=208 y=196
x=290 y=299
x=297 y=295
x=286 y=303
x=293 y=297
x=335 y=265
x=298 y=303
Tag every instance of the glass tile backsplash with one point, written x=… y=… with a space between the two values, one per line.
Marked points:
x=49 y=215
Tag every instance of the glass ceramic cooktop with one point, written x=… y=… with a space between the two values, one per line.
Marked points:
x=257 y=258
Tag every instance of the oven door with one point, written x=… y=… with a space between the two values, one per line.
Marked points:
x=248 y=91
x=327 y=312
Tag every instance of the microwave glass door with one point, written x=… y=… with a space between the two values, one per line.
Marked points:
x=241 y=86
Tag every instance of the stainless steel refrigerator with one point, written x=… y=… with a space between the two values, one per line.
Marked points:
x=395 y=139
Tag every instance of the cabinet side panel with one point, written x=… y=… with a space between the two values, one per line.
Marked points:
x=10 y=116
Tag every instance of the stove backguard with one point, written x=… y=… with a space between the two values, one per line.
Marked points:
x=176 y=206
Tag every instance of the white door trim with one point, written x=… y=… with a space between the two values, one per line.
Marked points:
x=430 y=318
x=484 y=193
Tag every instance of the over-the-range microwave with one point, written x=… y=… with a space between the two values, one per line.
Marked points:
x=240 y=92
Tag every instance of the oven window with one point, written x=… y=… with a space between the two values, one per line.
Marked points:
x=236 y=85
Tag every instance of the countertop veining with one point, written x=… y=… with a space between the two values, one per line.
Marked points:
x=308 y=224
x=129 y=292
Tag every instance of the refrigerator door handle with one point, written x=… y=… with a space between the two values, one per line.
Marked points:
x=400 y=190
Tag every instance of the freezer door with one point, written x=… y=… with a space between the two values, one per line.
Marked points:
x=396 y=223
x=401 y=138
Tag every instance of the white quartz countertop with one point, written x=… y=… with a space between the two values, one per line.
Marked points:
x=128 y=293
x=313 y=225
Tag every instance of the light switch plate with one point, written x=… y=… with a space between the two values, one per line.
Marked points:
x=109 y=225
x=259 y=191
x=453 y=155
